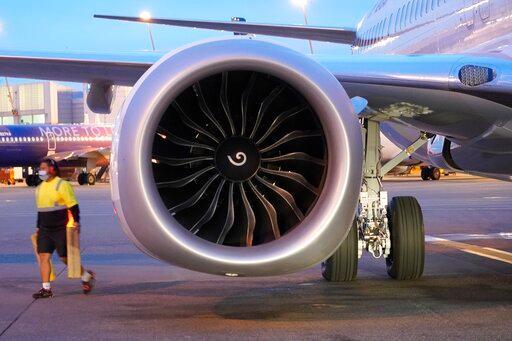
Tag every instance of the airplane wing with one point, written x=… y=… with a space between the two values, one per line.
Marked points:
x=328 y=34
x=120 y=69
x=101 y=155
x=382 y=80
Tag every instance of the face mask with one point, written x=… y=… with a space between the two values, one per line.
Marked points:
x=43 y=175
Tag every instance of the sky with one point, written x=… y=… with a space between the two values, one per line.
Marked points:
x=63 y=25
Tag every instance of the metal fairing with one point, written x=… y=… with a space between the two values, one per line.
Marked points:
x=146 y=219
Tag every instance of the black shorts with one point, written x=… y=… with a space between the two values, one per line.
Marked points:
x=51 y=239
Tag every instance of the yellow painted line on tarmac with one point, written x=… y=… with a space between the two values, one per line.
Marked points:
x=482 y=251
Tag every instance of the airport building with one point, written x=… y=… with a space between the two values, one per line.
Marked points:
x=42 y=102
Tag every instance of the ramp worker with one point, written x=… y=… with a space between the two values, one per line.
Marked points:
x=54 y=199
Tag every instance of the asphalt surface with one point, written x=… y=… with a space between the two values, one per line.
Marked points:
x=466 y=292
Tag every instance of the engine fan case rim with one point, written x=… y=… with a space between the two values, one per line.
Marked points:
x=302 y=248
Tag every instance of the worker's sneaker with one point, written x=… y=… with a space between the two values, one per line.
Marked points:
x=89 y=285
x=43 y=293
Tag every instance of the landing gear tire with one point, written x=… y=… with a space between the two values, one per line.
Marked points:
x=425 y=173
x=435 y=174
x=342 y=265
x=91 y=179
x=407 y=257
x=82 y=179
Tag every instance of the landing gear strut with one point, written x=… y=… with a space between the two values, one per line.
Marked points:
x=393 y=232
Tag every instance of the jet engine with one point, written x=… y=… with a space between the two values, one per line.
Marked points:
x=237 y=157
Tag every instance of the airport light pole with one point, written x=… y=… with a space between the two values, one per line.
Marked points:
x=146 y=16
x=303 y=4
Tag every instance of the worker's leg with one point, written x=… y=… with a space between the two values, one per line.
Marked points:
x=45 y=267
x=45 y=248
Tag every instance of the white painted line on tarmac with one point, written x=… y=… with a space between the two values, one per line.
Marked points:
x=469 y=236
x=482 y=251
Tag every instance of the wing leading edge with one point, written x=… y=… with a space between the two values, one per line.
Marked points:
x=328 y=34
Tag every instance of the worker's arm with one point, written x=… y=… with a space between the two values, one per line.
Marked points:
x=67 y=193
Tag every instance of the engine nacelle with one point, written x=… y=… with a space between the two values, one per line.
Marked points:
x=239 y=158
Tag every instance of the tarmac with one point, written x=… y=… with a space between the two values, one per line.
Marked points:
x=466 y=292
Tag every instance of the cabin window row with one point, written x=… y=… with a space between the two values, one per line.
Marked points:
x=398 y=21
x=58 y=139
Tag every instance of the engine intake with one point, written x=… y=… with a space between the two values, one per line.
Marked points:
x=237 y=157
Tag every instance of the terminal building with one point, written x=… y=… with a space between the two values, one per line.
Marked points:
x=42 y=102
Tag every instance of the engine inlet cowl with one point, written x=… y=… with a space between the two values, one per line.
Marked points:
x=237 y=157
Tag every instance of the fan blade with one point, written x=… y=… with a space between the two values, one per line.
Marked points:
x=285 y=195
x=296 y=177
x=230 y=217
x=245 y=101
x=181 y=161
x=269 y=209
x=249 y=213
x=296 y=156
x=264 y=107
x=195 y=198
x=208 y=215
x=205 y=109
x=279 y=120
x=192 y=124
x=183 y=181
x=290 y=137
x=225 y=101
x=166 y=135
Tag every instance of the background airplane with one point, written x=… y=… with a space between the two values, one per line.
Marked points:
x=205 y=178
x=84 y=146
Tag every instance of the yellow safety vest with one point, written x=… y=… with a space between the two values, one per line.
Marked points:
x=53 y=198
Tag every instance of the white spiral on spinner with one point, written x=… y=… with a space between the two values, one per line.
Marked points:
x=240 y=159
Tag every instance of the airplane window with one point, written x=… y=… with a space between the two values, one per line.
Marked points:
x=390 y=24
x=397 y=22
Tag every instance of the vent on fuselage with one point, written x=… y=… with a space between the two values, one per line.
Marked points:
x=472 y=75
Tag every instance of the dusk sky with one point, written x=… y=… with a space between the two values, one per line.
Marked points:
x=59 y=25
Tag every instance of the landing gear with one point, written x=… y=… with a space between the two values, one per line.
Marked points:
x=86 y=179
x=342 y=265
x=91 y=179
x=407 y=255
x=430 y=173
x=394 y=233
